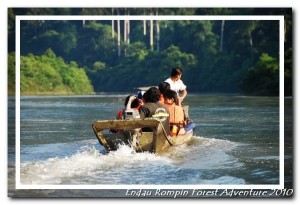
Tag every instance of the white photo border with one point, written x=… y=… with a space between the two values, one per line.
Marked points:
x=280 y=18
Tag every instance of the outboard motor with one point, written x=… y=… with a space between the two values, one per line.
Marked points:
x=132 y=114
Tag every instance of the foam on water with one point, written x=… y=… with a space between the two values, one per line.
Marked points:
x=237 y=143
x=208 y=153
x=87 y=162
x=185 y=164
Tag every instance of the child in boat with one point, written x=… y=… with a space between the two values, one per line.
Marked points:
x=177 y=121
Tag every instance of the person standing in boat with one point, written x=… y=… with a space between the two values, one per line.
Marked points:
x=153 y=108
x=176 y=84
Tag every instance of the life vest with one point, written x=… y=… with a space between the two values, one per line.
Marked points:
x=177 y=121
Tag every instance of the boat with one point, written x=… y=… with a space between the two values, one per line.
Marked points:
x=113 y=133
x=131 y=131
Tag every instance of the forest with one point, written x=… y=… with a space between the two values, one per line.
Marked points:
x=91 y=56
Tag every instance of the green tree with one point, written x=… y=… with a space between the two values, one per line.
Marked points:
x=11 y=73
x=263 y=78
x=95 y=44
x=48 y=74
x=196 y=45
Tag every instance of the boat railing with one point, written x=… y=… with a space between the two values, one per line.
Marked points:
x=127 y=124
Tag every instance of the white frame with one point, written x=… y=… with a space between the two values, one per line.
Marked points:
x=280 y=18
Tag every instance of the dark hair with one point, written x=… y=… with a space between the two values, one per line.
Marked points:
x=175 y=71
x=171 y=94
x=163 y=87
x=134 y=103
x=152 y=95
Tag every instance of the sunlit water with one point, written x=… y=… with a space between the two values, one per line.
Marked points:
x=236 y=142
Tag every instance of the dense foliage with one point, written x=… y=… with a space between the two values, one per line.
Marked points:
x=217 y=56
x=48 y=74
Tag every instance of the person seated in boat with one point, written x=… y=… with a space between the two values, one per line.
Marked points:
x=163 y=87
x=153 y=108
x=177 y=85
x=140 y=94
x=131 y=102
x=177 y=121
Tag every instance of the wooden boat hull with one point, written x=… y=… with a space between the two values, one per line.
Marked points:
x=130 y=134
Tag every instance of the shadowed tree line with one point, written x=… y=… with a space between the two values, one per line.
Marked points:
x=82 y=56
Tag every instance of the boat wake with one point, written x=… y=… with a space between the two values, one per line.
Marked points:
x=209 y=153
x=124 y=166
x=87 y=164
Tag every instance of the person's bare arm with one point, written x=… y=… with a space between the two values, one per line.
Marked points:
x=183 y=94
x=128 y=106
x=181 y=98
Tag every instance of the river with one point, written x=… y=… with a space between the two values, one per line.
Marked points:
x=236 y=142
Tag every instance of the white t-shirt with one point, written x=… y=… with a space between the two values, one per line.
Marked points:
x=176 y=86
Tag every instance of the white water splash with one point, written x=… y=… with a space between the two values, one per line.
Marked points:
x=86 y=164
x=125 y=166
x=208 y=153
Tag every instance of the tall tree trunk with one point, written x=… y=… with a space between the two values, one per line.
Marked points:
x=119 y=37
x=125 y=36
x=222 y=33
x=125 y=33
x=145 y=25
x=251 y=27
x=112 y=29
x=151 y=32
x=128 y=31
x=112 y=25
x=125 y=30
x=250 y=39
x=157 y=33
x=83 y=21
x=145 y=28
x=250 y=42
